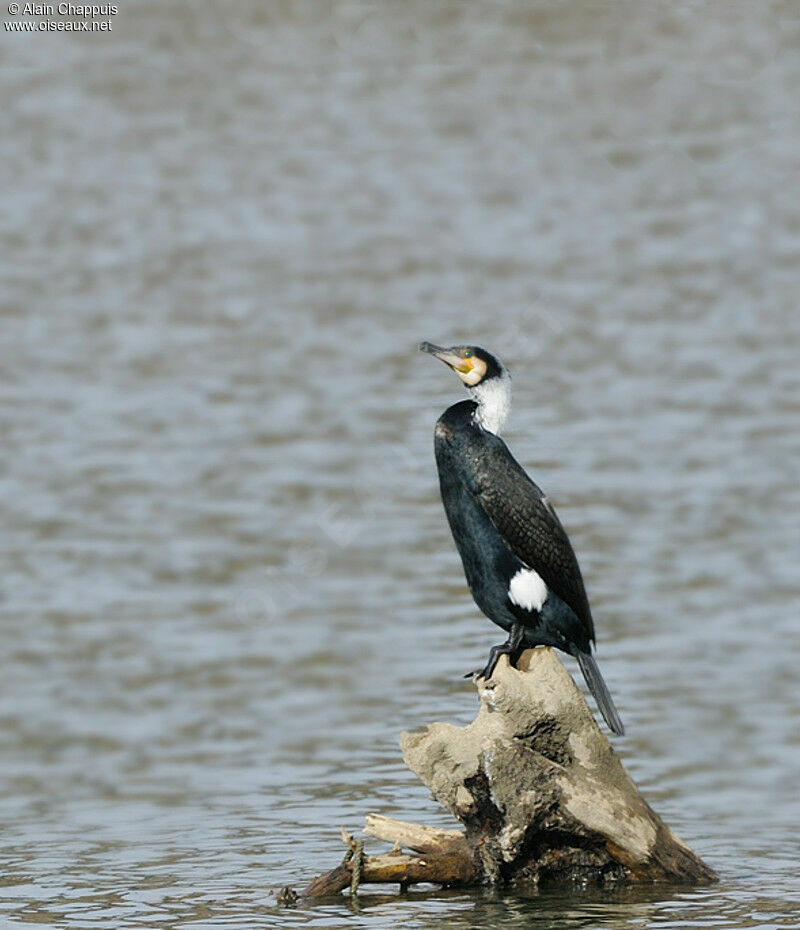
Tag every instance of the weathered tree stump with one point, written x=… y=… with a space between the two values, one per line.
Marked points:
x=541 y=794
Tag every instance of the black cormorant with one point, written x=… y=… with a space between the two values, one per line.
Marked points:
x=518 y=560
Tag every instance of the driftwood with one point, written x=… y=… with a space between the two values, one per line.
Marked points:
x=444 y=858
x=539 y=790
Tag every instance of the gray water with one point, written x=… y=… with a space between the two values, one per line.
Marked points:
x=227 y=583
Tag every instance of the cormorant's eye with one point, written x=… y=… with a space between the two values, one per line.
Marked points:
x=467 y=353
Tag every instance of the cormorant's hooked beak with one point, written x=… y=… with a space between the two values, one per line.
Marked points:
x=456 y=362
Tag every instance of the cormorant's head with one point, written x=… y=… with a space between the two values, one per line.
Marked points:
x=488 y=382
x=471 y=363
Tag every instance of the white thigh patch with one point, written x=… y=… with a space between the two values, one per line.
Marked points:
x=527 y=590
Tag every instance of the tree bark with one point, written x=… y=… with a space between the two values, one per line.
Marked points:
x=542 y=796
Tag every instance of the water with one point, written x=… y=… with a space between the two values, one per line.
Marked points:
x=227 y=580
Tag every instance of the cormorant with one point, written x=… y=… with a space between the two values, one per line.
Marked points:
x=519 y=564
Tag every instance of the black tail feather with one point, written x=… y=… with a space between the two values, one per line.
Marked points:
x=597 y=686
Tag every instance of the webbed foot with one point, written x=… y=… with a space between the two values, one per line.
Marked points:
x=512 y=648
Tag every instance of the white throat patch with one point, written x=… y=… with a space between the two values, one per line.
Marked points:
x=494 y=402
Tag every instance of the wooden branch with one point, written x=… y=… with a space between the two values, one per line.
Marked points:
x=443 y=868
x=421 y=839
x=539 y=790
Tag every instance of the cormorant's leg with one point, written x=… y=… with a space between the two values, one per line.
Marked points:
x=513 y=657
x=510 y=648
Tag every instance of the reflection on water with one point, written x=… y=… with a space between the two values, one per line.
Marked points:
x=227 y=580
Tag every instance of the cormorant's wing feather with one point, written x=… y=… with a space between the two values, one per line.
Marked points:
x=529 y=525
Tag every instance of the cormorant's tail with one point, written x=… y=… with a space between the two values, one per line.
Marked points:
x=597 y=686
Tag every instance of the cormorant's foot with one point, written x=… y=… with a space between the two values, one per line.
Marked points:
x=512 y=648
x=486 y=672
x=514 y=657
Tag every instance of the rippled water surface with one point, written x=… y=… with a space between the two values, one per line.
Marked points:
x=227 y=583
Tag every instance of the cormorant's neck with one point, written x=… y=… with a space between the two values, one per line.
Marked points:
x=494 y=401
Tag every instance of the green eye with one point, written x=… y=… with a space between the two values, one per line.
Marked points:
x=467 y=353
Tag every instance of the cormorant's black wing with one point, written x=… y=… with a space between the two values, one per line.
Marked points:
x=527 y=522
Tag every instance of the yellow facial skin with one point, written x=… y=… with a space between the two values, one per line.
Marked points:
x=471 y=371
